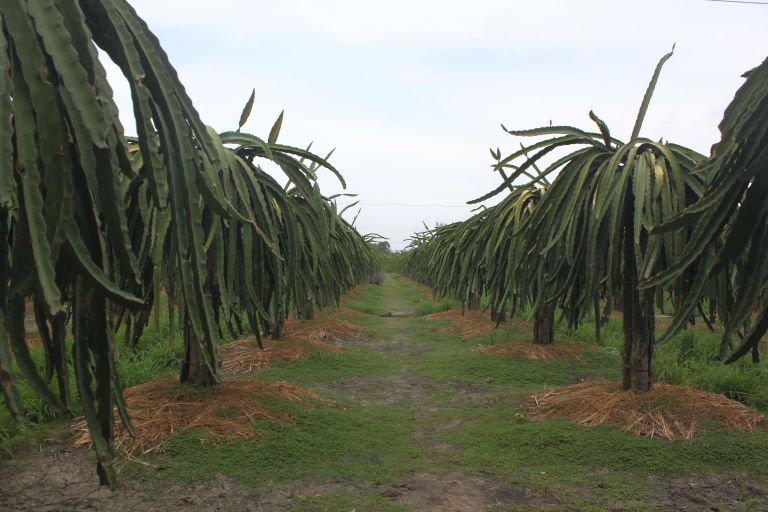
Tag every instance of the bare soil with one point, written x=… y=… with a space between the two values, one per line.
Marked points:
x=724 y=492
x=454 y=492
x=57 y=479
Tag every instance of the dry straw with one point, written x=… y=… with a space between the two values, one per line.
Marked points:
x=245 y=356
x=667 y=411
x=328 y=329
x=470 y=323
x=161 y=408
x=534 y=352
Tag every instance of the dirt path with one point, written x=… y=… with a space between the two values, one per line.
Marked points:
x=453 y=491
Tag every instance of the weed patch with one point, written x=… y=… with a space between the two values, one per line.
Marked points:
x=323 y=367
x=318 y=445
x=451 y=361
x=345 y=500
x=556 y=454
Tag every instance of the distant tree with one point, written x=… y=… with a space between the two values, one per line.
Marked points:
x=383 y=246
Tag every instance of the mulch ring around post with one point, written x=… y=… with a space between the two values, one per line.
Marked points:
x=667 y=411
x=327 y=328
x=531 y=351
x=468 y=324
x=245 y=356
x=161 y=408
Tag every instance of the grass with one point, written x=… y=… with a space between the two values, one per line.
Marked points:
x=345 y=500
x=16 y=437
x=149 y=361
x=320 y=445
x=325 y=367
x=426 y=306
x=559 y=456
x=450 y=360
x=503 y=440
x=691 y=359
x=448 y=363
x=368 y=299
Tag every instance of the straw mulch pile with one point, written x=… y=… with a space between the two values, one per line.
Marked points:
x=471 y=323
x=533 y=352
x=667 y=411
x=327 y=329
x=244 y=356
x=161 y=408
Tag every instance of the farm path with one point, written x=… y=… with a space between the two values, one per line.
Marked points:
x=405 y=336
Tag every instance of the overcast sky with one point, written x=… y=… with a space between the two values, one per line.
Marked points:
x=412 y=93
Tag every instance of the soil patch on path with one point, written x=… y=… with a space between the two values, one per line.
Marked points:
x=457 y=492
x=57 y=479
x=724 y=492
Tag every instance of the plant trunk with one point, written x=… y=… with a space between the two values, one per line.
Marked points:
x=194 y=370
x=638 y=319
x=277 y=327
x=170 y=292
x=544 y=325
x=618 y=301
x=473 y=301
x=308 y=311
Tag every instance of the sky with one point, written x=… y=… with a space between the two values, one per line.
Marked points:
x=412 y=94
